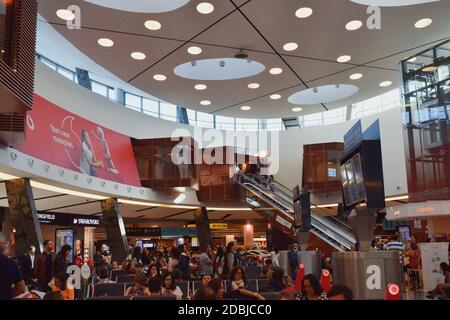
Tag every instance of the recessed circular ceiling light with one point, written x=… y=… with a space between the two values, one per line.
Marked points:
x=297 y=109
x=205 y=102
x=105 y=42
x=290 y=46
x=138 y=55
x=276 y=71
x=413 y=59
x=205 y=8
x=152 y=25
x=303 y=12
x=275 y=96
x=159 y=77
x=344 y=58
x=385 y=84
x=356 y=76
x=253 y=85
x=246 y=108
x=423 y=23
x=65 y=14
x=353 y=25
x=194 y=50
x=200 y=87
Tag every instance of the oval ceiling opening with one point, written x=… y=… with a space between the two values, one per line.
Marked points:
x=141 y=6
x=392 y=3
x=219 y=69
x=323 y=94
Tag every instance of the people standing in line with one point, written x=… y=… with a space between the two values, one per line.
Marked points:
x=27 y=264
x=230 y=258
x=205 y=261
x=61 y=262
x=185 y=263
x=311 y=289
x=44 y=266
x=219 y=261
x=11 y=281
x=60 y=285
x=169 y=286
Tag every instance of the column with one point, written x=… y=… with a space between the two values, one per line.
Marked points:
x=115 y=229
x=23 y=216
x=362 y=221
x=203 y=229
x=430 y=229
x=249 y=233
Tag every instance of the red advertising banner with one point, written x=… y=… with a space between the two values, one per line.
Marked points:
x=67 y=140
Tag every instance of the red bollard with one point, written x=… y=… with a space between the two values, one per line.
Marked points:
x=325 y=280
x=392 y=292
x=299 y=277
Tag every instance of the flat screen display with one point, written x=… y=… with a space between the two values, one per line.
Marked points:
x=353 y=181
x=63 y=237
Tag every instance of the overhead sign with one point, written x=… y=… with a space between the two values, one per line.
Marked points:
x=143 y=232
x=68 y=220
x=212 y=226
x=69 y=141
x=353 y=137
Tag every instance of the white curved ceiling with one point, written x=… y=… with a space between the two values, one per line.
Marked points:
x=392 y=3
x=261 y=28
x=142 y=6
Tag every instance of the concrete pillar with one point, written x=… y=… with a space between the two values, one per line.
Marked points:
x=302 y=239
x=203 y=229
x=115 y=229
x=23 y=216
x=362 y=221
x=249 y=235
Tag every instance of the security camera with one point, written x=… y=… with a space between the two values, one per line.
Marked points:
x=241 y=55
x=194 y=63
x=315 y=90
x=222 y=63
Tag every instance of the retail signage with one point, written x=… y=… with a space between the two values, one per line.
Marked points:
x=173 y=232
x=143 y=232
x=63 y=219
x=374 y=278
x=212 y=226
x=77 y=144
x=432 y=254
x=353 y=137
x=283 y=222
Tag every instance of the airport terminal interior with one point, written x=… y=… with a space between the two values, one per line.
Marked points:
x=224 y=150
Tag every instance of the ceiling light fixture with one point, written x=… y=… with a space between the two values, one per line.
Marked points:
x=65 y=14
x=253 y=85
x=105 y=42
x=152 y=25
x=303 y=12
x=276 y=71
x=297 y=109
x=356 y=76
x=200 y=87
x=290 y=46
x=194 y=50
x=353 y=25
x=205 y=102
x=246 y=108
x=205 y=8
x=413 y=59
x=344 y=58
x=385 y=84
x=423 y=23
x=275 y=96
x=159 y=77
x=138 y=55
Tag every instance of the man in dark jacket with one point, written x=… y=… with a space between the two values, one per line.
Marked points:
x=184 y=264
x=27 y=265
x=44 y=266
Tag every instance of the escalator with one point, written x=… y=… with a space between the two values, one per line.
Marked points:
x=280 y=201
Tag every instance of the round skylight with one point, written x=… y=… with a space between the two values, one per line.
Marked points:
x=142 y=6
x=323 y=94
x=391 y=3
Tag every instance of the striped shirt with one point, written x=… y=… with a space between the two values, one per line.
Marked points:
x=394 y=245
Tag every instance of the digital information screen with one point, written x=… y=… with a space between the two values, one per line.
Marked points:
x=353 y=181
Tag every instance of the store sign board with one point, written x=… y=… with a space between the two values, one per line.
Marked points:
x=143 y=232
x=353 y=137
x=68 y=220
x=212 y=226
x=374 y=278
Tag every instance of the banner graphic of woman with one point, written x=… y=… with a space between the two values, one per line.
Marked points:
x=88 y=161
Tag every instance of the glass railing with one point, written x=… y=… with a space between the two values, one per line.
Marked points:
x=166 y=111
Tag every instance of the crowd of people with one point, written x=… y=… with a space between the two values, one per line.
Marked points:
x=222 y=273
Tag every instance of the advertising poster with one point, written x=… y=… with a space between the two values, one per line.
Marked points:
x=432 y=254
x=63 y=237
x=67 y=140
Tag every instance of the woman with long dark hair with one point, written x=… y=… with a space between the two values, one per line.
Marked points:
x=277 y=280
x=169 y=286
x=88 y=161
x=218 y=262
x=311 y=289
x=61 y=262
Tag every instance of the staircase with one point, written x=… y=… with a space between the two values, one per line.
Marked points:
x=278 y=197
